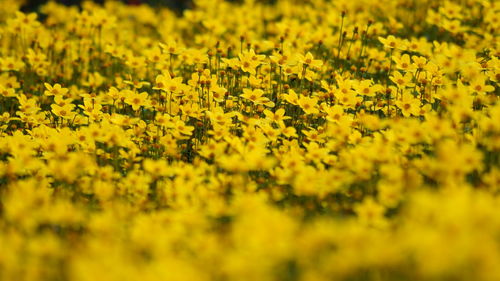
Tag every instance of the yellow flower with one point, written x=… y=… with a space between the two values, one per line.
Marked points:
x=248 y=65
x=137 y=100
x=7 y=92
x=479 y=86
x=291 y=97
x=402 y=81
x=309 y=61
x=27 y=20
x=278 y=116
x=371 y=213
x=171 y=47
x=168 y=84
x=403 y=63
x=137 y=84
x=408 y=104
x=392 y=42
x=11 y=64
x=256 y=97
x=56 y=90
x=334 y=113
x=419 y=62
x=249 y=61
x=135 y=62
x=64 y=112
x=156 y=168
x=365 y=88
x=309 y=105
x=182 y=128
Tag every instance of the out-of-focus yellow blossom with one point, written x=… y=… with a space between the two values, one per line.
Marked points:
x=250 y=140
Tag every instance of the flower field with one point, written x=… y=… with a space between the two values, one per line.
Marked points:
x=250 y=140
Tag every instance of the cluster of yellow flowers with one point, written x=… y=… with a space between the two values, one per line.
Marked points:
x=279 y=140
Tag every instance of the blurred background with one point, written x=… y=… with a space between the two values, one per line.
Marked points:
x=177 y=5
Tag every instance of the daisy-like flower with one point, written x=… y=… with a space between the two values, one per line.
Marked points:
x=65 y=112
x=277 y=117
x=309 y=105
x=309 y=60
x=56 y=90
x=392 y=42
x=136 y=100
x=256 y=97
